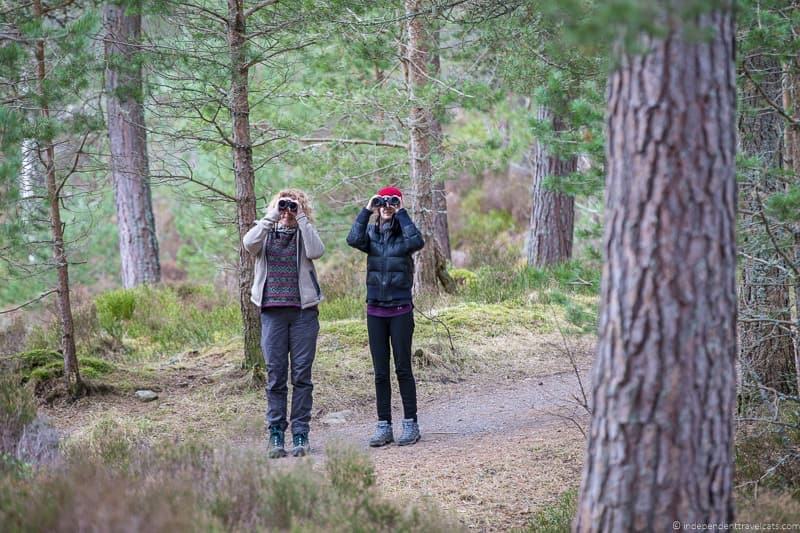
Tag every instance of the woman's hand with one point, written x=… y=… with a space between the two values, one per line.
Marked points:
x=273 y=214
x=369 y=203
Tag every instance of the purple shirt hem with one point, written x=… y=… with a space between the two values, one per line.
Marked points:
x=388 y=312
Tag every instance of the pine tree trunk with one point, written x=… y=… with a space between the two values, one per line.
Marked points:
x=441 y=229
x=245 y=180
x=664 y=384
x=416 y=56
x=138 y=244
x=791 y=104
x=765 y=346
x=552 y=212
x=72 y=376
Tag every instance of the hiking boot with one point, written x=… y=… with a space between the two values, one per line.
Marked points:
x=383 y=434
x=300 y=445
x=276 y=443
x=410 y=432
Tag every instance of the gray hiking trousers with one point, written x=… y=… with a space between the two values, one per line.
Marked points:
x=287 y=330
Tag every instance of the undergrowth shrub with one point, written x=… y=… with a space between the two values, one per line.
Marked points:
x=463 y=277
x=26 y=439
x=17 y=410
x=12 y=336
x=487 y=235
x=342 y=308
x=768 y=507
x=493 y=285
x=146 y=321
x=114 y=308
x=766 y=456
x=220 y=490
x=556 y=518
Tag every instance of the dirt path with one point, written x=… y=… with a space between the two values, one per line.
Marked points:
x=490 y=454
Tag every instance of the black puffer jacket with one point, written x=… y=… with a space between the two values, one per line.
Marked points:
x=390 y=269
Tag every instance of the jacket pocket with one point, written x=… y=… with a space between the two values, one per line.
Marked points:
x=373 y=278
x=400 y=280
x=315 y=283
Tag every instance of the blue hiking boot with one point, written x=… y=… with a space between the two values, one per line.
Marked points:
x=383 y=434
x=410 y=432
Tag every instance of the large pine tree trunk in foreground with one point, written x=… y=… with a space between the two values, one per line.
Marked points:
x=552 y=212
x=72 y=376
x=138 y=245
x=664 y=385
x=245 y=180
x=766 y=346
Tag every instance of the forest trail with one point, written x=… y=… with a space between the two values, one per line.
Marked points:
x=481 y=447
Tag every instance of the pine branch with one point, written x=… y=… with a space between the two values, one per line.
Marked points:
x=322 y=140
x=29 y=302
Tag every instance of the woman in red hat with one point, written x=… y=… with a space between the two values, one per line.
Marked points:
x=389 y=243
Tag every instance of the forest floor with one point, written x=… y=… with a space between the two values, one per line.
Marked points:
x=499 y=419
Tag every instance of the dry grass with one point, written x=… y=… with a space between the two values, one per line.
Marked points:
x=768 y=508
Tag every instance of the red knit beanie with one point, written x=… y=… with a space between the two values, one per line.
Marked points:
x=390 y=191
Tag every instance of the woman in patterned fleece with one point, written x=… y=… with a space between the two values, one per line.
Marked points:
x=285 y=287
x=389 y=244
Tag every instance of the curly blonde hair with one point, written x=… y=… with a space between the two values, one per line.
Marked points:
x=298 y=196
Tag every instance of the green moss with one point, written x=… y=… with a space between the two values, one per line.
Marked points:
x=43 y=365
x=93 y=368
x=463 y=277
x=47 y=372
x=470 y=319
x=33 y=359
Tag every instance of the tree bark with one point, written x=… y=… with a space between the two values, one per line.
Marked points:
x=664 y=384
x=72 y=376
x=552 y=212
x=765 y=346
x=791 y=105
x=245 y=179
x=426 y=261
x=138 y=244
x=441 y=228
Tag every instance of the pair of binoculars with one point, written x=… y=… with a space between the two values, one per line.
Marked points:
x=283 y=205
x=383 y=201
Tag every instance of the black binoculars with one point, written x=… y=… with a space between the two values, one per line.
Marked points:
x=383 y=201
x=283 y=205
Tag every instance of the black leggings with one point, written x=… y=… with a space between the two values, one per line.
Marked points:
x=397 y=330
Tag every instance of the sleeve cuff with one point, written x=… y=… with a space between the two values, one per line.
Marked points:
x=403 y=217
x=364 y=215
